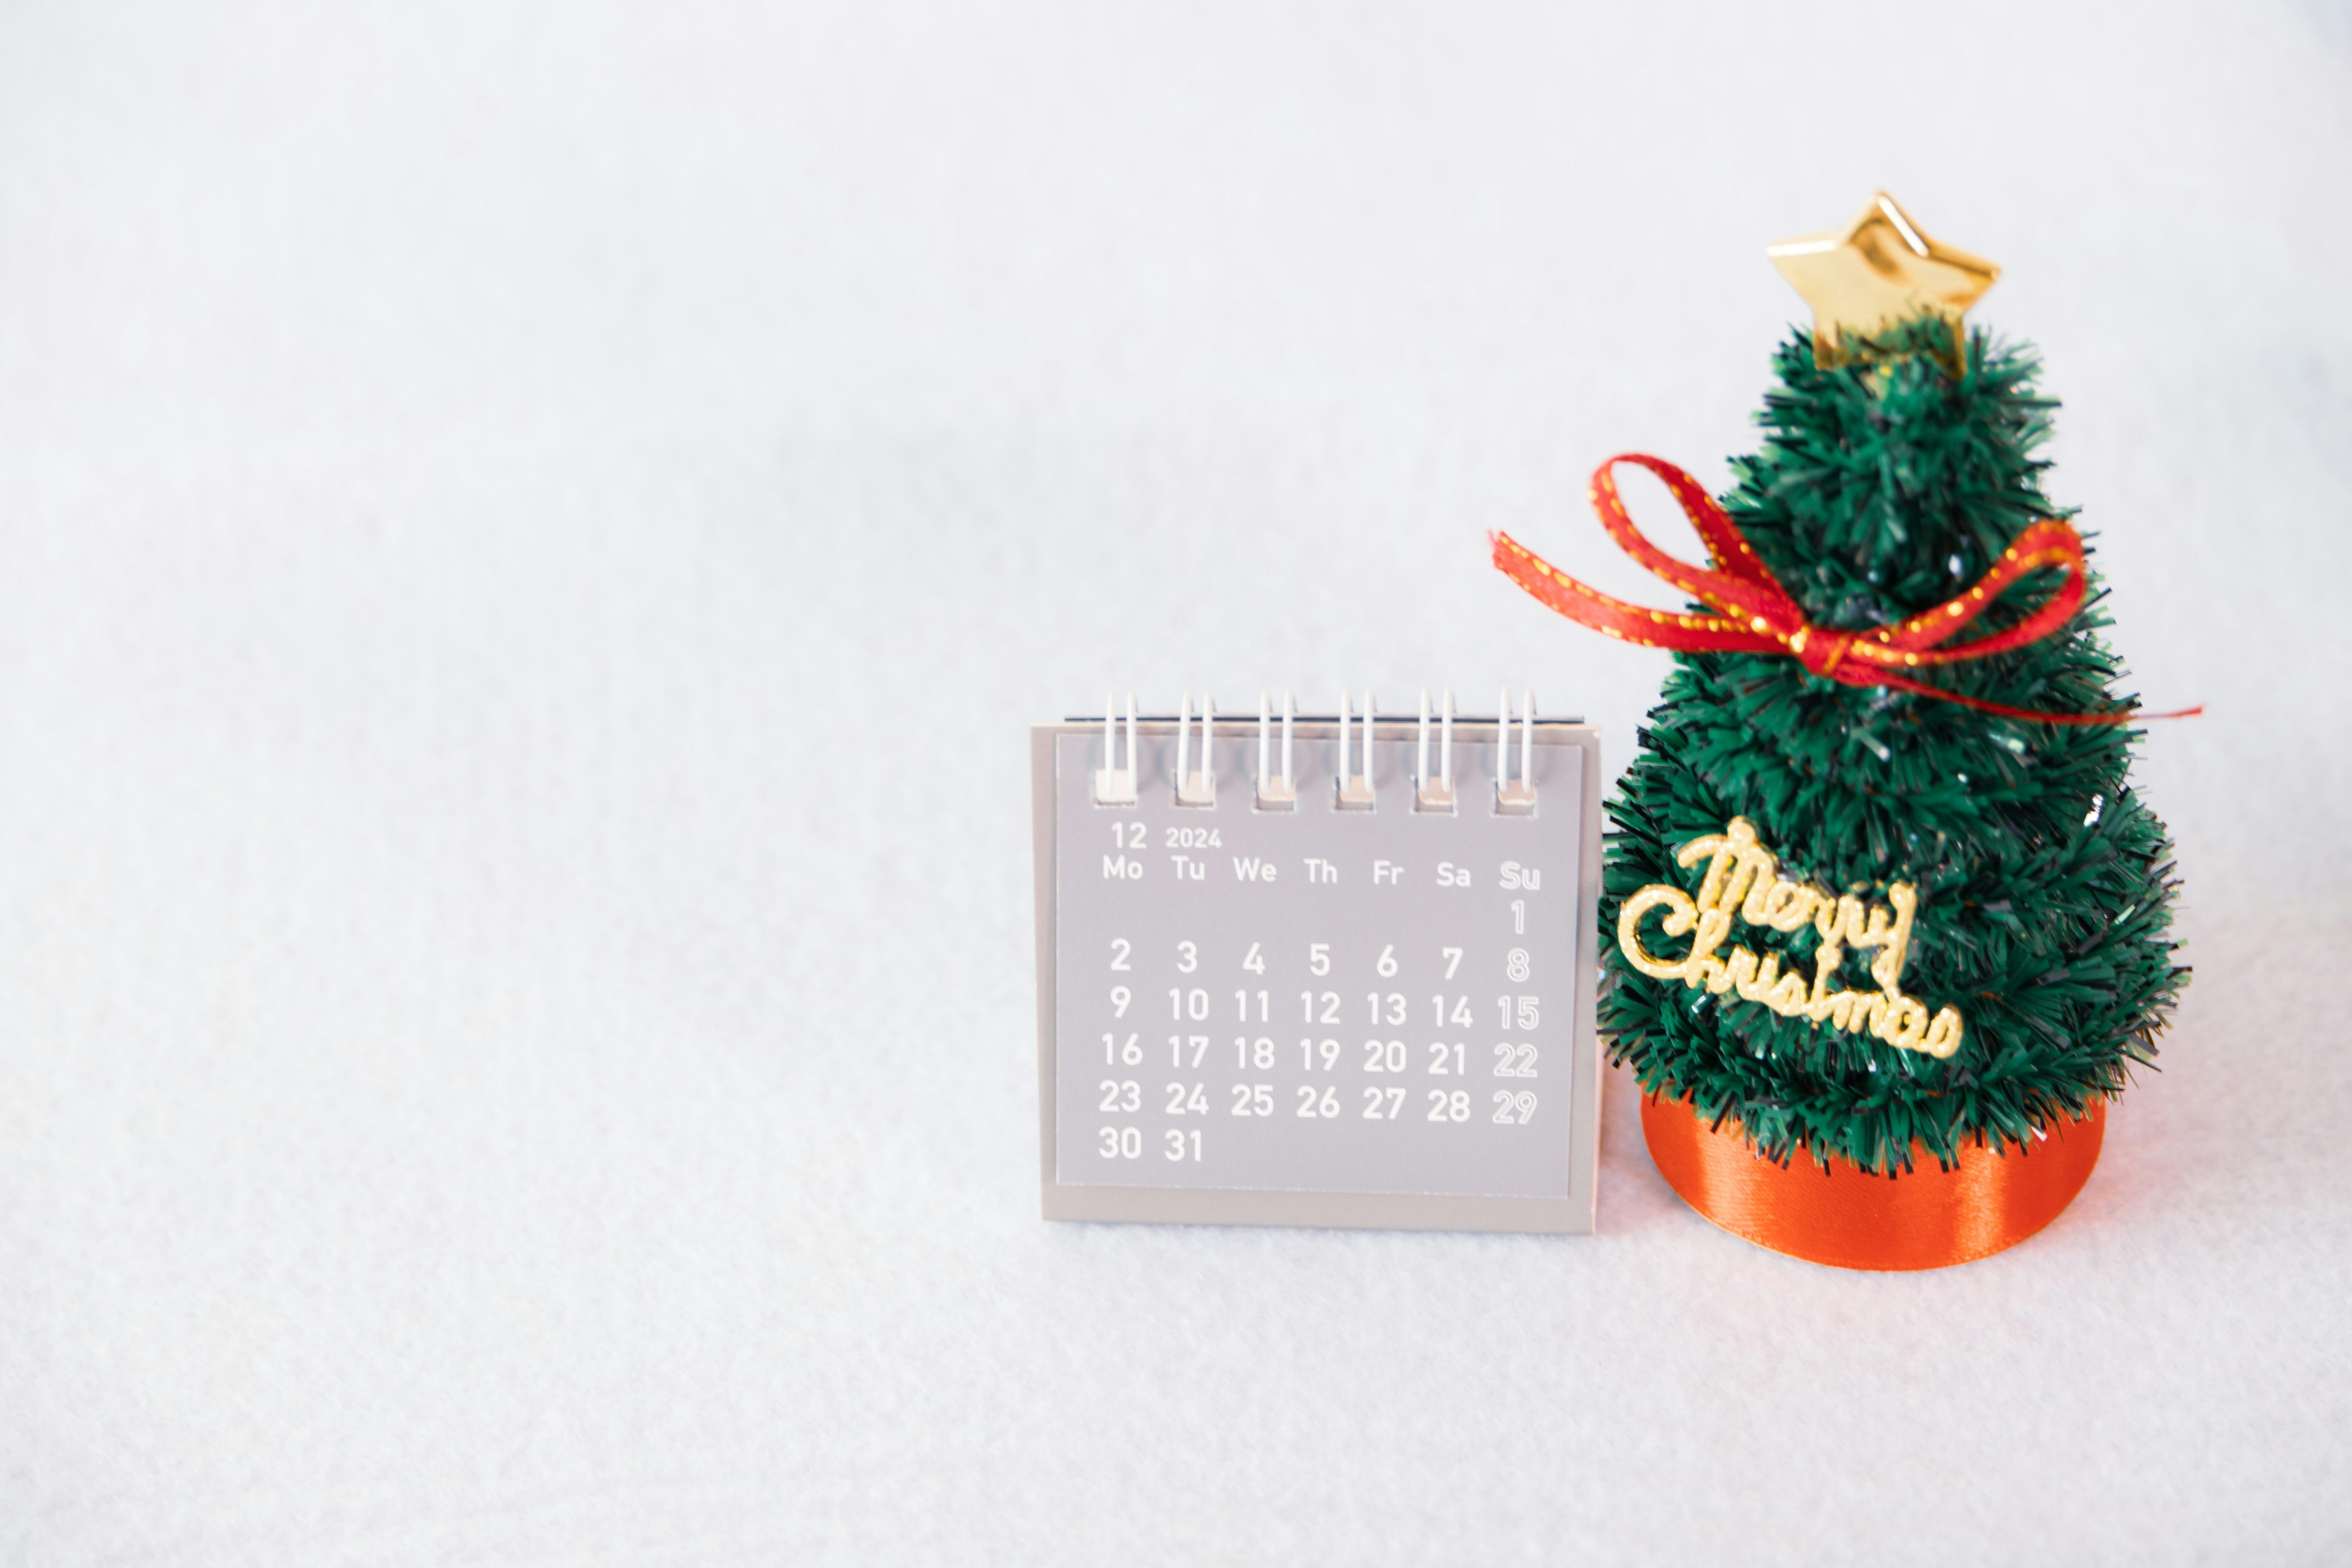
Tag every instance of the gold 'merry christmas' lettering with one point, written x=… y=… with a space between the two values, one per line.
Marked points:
x=1743 y=878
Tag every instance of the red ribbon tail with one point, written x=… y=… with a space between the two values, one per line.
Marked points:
x=2123 y=716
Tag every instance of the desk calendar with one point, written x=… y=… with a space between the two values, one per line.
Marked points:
x=1318 y=969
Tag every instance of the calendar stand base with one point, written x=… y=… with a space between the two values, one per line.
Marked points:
x=1351 y=1211
x=1849 y=1218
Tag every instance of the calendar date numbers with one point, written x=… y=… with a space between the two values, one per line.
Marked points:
x=1205 y=1086
x=1514 y=1061
x=1182 y=1144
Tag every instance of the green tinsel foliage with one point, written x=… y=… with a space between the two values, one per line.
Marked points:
x=1885 y=487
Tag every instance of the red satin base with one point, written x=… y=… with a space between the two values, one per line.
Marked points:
x=1849 y=1218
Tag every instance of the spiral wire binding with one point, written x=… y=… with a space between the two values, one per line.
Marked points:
x=1117 y=782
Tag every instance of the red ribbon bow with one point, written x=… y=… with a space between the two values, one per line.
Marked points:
x=1760 y=617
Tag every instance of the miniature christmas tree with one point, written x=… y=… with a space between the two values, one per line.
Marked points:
x=1993 y=899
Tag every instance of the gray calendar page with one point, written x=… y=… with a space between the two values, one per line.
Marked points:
x=1323 y=1001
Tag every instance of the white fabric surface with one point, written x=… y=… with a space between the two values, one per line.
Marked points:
x=530 y=536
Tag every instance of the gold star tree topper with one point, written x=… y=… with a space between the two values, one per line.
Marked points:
x=1876 y=271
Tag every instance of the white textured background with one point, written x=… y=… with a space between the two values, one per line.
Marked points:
x=530 y=536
